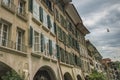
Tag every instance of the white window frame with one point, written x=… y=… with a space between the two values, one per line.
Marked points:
x=45 y=18
x=54 y=55
x=46 y=46
x=52 y=28
x=21 y=43
x=36 y=10
x=1 y=34
x=21 y=10
x=39 y=42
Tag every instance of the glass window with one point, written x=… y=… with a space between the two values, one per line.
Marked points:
x=36 y=42
x=54 y=50
x=7 y=2
x=35 y=10
x=52 y=28
x=57 y=15
x=45 y=18
x=21 y=7
x=46 y=46
x=3 y=34
x=19 y=43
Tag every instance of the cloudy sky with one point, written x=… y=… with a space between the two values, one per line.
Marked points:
x=99 y=16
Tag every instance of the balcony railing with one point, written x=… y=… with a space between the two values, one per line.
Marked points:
x=21 y=12
x=12 y=45
x=8 y=5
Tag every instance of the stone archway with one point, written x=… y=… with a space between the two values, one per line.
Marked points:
x=7 y=72
x=79 y=77
x=67 y=76
x=45 y=73
x=3 y=69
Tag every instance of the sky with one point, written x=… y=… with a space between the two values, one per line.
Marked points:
x=99 y=16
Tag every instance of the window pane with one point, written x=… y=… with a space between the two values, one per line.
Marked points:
x=35 y=9
x=19 y=40
x=36 y=42
x=0 y=30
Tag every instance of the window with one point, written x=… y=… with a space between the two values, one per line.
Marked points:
x=62 y=20
x=36 y=10
x=36 y=42
x=41 y=14
x=54 y=50
x=19 y=44
x=45 y=19
x=66 y=57
x=50 y=47
x=45 y=45
x=49 y=21
x=64 y=37
x=7 y=2
x=52 y=27
x=58 y=51
x=4 y=34
x=62 y=52
x=49 y=4
x=21 y=7
x=60 y=33
x=56 y=15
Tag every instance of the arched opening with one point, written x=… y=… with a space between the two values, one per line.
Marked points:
x=67 y=76
x=79 y=77
x=7 y=72
x=4 y=69
x=45 y=73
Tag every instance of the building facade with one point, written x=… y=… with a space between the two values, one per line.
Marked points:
x=42 y=40
x=112 y=69
x=95 y=58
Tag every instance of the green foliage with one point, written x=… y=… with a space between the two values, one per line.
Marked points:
x=97 y=76
x=11 y=75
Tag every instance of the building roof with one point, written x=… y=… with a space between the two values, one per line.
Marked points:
x=93 y=49
x=73 y=14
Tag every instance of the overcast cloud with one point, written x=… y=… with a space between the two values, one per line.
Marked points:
x=98 y=16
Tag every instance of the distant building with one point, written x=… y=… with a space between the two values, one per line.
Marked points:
x=95 y=58
x=112 y=69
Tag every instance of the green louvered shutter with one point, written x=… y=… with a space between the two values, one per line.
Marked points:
x=55 y=28
x=58 y=51
x=59 y=34
x=69 y=42
x=50 y=47
x=49 y=22
x=41 y=13
x=71 y=59
x=31 y=36
x=30 y=6
x=42 y=42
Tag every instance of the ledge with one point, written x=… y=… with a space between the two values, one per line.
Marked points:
x=54 y=60
x=25 y=18
x=8 y=8
x=36 y=21
x=45 y=28
x=12 y=51
x=52 y=34
x=36 y=55
x=46 y=58
x=67 y=65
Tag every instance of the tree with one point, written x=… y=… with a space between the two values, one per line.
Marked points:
x=11 y=75
x=97 y=76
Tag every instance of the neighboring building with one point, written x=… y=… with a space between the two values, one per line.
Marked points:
x=95 y=58
x=42 y=40
x=112 y=69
